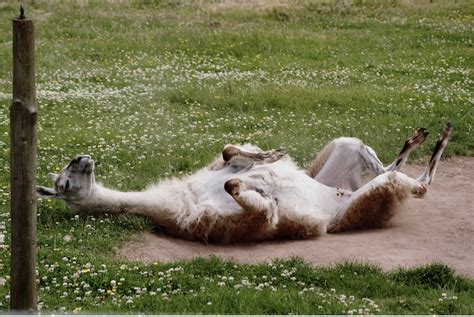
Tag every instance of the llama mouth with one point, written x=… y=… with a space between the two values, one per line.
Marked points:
x=79 y=160
x=88 y=166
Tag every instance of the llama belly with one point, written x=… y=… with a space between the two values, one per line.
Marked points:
x=304 y=206
x=301 y=194
x=210 y=193
x=223 y=220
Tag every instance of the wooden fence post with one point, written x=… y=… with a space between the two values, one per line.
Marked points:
x=23 y=126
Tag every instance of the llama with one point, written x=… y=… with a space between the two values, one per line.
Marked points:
x=251 y=195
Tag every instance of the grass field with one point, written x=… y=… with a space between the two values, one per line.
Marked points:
x=153 y=89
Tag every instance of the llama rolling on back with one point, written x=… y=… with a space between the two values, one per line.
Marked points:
x=251 y=195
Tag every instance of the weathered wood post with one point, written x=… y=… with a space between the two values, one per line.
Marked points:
x=23 y=126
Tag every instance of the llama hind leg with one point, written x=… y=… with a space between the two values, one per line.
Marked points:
x=410 y=144
x=253 y=199
x=338 y=164
x=343 y=162
x=375 y=167
x=443 y=139
x=374 y=204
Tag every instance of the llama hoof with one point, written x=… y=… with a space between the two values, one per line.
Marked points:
x=232 y=186
x=229 y=152
x=448 y=129
x=276 y=155
x=415 y=140
x=419 y=137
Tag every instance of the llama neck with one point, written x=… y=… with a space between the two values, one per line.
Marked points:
x=104 y=200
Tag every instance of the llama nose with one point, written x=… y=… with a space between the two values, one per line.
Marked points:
x=80 y=157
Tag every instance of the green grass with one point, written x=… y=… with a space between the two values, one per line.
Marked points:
x=153 y=89
x=281 y=287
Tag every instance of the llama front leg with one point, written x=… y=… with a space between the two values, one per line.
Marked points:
x=241 y=157
x=374 y=204
x=267 y=220
x=253 y=200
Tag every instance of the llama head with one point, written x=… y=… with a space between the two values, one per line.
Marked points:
x=74 y=181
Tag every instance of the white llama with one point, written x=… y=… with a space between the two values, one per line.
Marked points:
x=251 y=195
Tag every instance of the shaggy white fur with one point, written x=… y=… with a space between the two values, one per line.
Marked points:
x=251 y=195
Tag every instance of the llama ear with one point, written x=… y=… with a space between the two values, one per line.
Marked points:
x=44 y=192
x=53 y=176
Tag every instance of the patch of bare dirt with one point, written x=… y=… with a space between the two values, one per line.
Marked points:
x=438 y=228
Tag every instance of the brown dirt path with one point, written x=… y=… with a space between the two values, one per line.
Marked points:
x=439 y=228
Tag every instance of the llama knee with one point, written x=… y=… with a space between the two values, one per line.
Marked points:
x=253 y=200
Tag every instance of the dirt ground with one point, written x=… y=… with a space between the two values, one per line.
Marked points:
x=438 y=228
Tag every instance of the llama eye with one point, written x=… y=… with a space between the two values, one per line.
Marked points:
x=67 y=185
